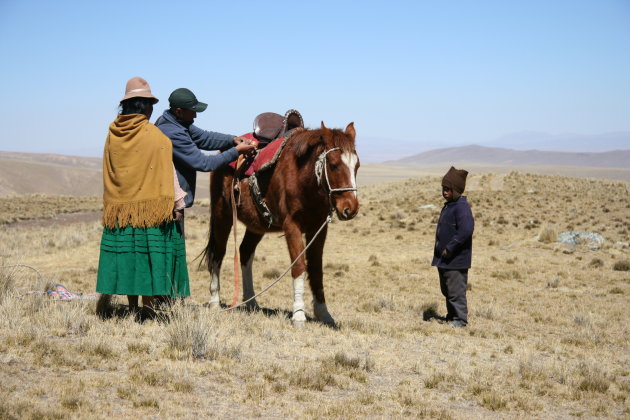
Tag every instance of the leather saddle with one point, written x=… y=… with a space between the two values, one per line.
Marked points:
x=269 y=126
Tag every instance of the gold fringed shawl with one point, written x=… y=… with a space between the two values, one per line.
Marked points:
x=137 y=174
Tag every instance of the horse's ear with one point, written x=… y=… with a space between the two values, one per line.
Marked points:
x=325 y=129
x=351 y=131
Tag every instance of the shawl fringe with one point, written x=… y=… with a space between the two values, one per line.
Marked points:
x=139 y=214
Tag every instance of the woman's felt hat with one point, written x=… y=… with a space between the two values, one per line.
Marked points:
x=138 y=87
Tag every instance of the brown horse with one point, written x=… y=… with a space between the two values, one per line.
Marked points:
x=314 y=175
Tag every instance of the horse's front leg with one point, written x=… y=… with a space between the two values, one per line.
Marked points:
x=316 y=276
x=293 y=235
x=247 y=251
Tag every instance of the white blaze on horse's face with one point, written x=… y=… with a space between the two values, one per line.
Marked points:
x=351 y=159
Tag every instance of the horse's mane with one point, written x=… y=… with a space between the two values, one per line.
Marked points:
x=314 y=138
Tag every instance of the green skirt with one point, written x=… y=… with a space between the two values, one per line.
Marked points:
x=143 y=261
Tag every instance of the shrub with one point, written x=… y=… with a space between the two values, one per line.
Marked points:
x=272 y=273
x=7 y=282
x=188 y=332
x=623 y=265
x=547 y=235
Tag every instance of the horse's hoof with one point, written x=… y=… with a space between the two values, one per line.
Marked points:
x=322 y=314
x=330 y=322
x=213 y=305
x=299 y=318
x=252 y=306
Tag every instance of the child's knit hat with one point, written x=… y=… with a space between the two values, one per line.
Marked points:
x=455 y=179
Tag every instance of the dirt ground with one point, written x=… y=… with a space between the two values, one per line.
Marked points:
x=547 y=335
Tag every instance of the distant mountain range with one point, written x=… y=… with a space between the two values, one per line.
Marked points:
x=381 y=149
x=497 y=156
x=33 y=173
x=565 y=142
x=54 y=159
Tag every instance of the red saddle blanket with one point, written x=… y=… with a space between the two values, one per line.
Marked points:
x=266 y=156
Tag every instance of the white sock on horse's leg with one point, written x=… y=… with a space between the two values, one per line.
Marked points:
x=299 y=317
x=248 y=283
x=321 y=313
x=215 y=286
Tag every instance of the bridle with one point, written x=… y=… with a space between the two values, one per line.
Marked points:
x=322 y=168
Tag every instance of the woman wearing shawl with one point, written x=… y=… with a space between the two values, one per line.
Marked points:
x=142 y=249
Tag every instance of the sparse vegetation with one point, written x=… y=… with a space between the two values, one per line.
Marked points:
x=623 y=265
x=547 y=234
x=539 y=318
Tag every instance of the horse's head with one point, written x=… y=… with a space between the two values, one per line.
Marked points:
x=336 y=166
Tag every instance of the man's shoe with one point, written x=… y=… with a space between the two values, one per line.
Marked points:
x=457 y=323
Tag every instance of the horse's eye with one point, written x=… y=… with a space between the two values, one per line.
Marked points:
x=333 y=167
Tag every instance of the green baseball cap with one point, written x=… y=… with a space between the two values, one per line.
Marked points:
x=185 y=99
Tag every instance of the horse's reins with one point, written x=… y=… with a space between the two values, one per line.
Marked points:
x=320 y=167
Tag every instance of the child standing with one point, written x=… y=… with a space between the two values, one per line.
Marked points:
x=453 y=246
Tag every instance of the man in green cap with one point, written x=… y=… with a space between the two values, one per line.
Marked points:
x=188 y=141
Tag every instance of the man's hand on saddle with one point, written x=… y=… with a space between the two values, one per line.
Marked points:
x=245 y=146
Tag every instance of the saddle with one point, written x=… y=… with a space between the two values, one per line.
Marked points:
x=269 y=126
x=272 y=131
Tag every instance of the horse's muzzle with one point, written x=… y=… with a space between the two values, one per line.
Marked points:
x=346 y=209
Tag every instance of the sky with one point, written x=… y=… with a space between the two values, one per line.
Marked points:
x=411 y=75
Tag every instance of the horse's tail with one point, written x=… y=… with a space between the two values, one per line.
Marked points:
x=207 y=255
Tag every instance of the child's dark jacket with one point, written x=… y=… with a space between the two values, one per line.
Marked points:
x=454 y=233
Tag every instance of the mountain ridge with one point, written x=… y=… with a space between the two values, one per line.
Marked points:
x=476 y=154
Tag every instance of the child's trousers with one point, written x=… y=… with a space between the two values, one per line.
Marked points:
x=453 y=284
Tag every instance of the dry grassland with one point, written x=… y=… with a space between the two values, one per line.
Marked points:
x=547 y=336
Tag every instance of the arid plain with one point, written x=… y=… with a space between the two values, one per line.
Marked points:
x=547 y=335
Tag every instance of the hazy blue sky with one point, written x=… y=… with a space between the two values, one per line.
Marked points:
x=412 y=75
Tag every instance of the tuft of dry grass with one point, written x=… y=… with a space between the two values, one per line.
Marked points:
x=187 y=334
x=547 y=234
x=594 y=379
x=622 y=265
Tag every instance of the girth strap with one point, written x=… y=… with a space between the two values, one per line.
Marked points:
x=259 y=201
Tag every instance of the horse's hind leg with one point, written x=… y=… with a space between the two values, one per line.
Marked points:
x=221 y=224
x=219 y=236
x=316 y=277
x=247 y=251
